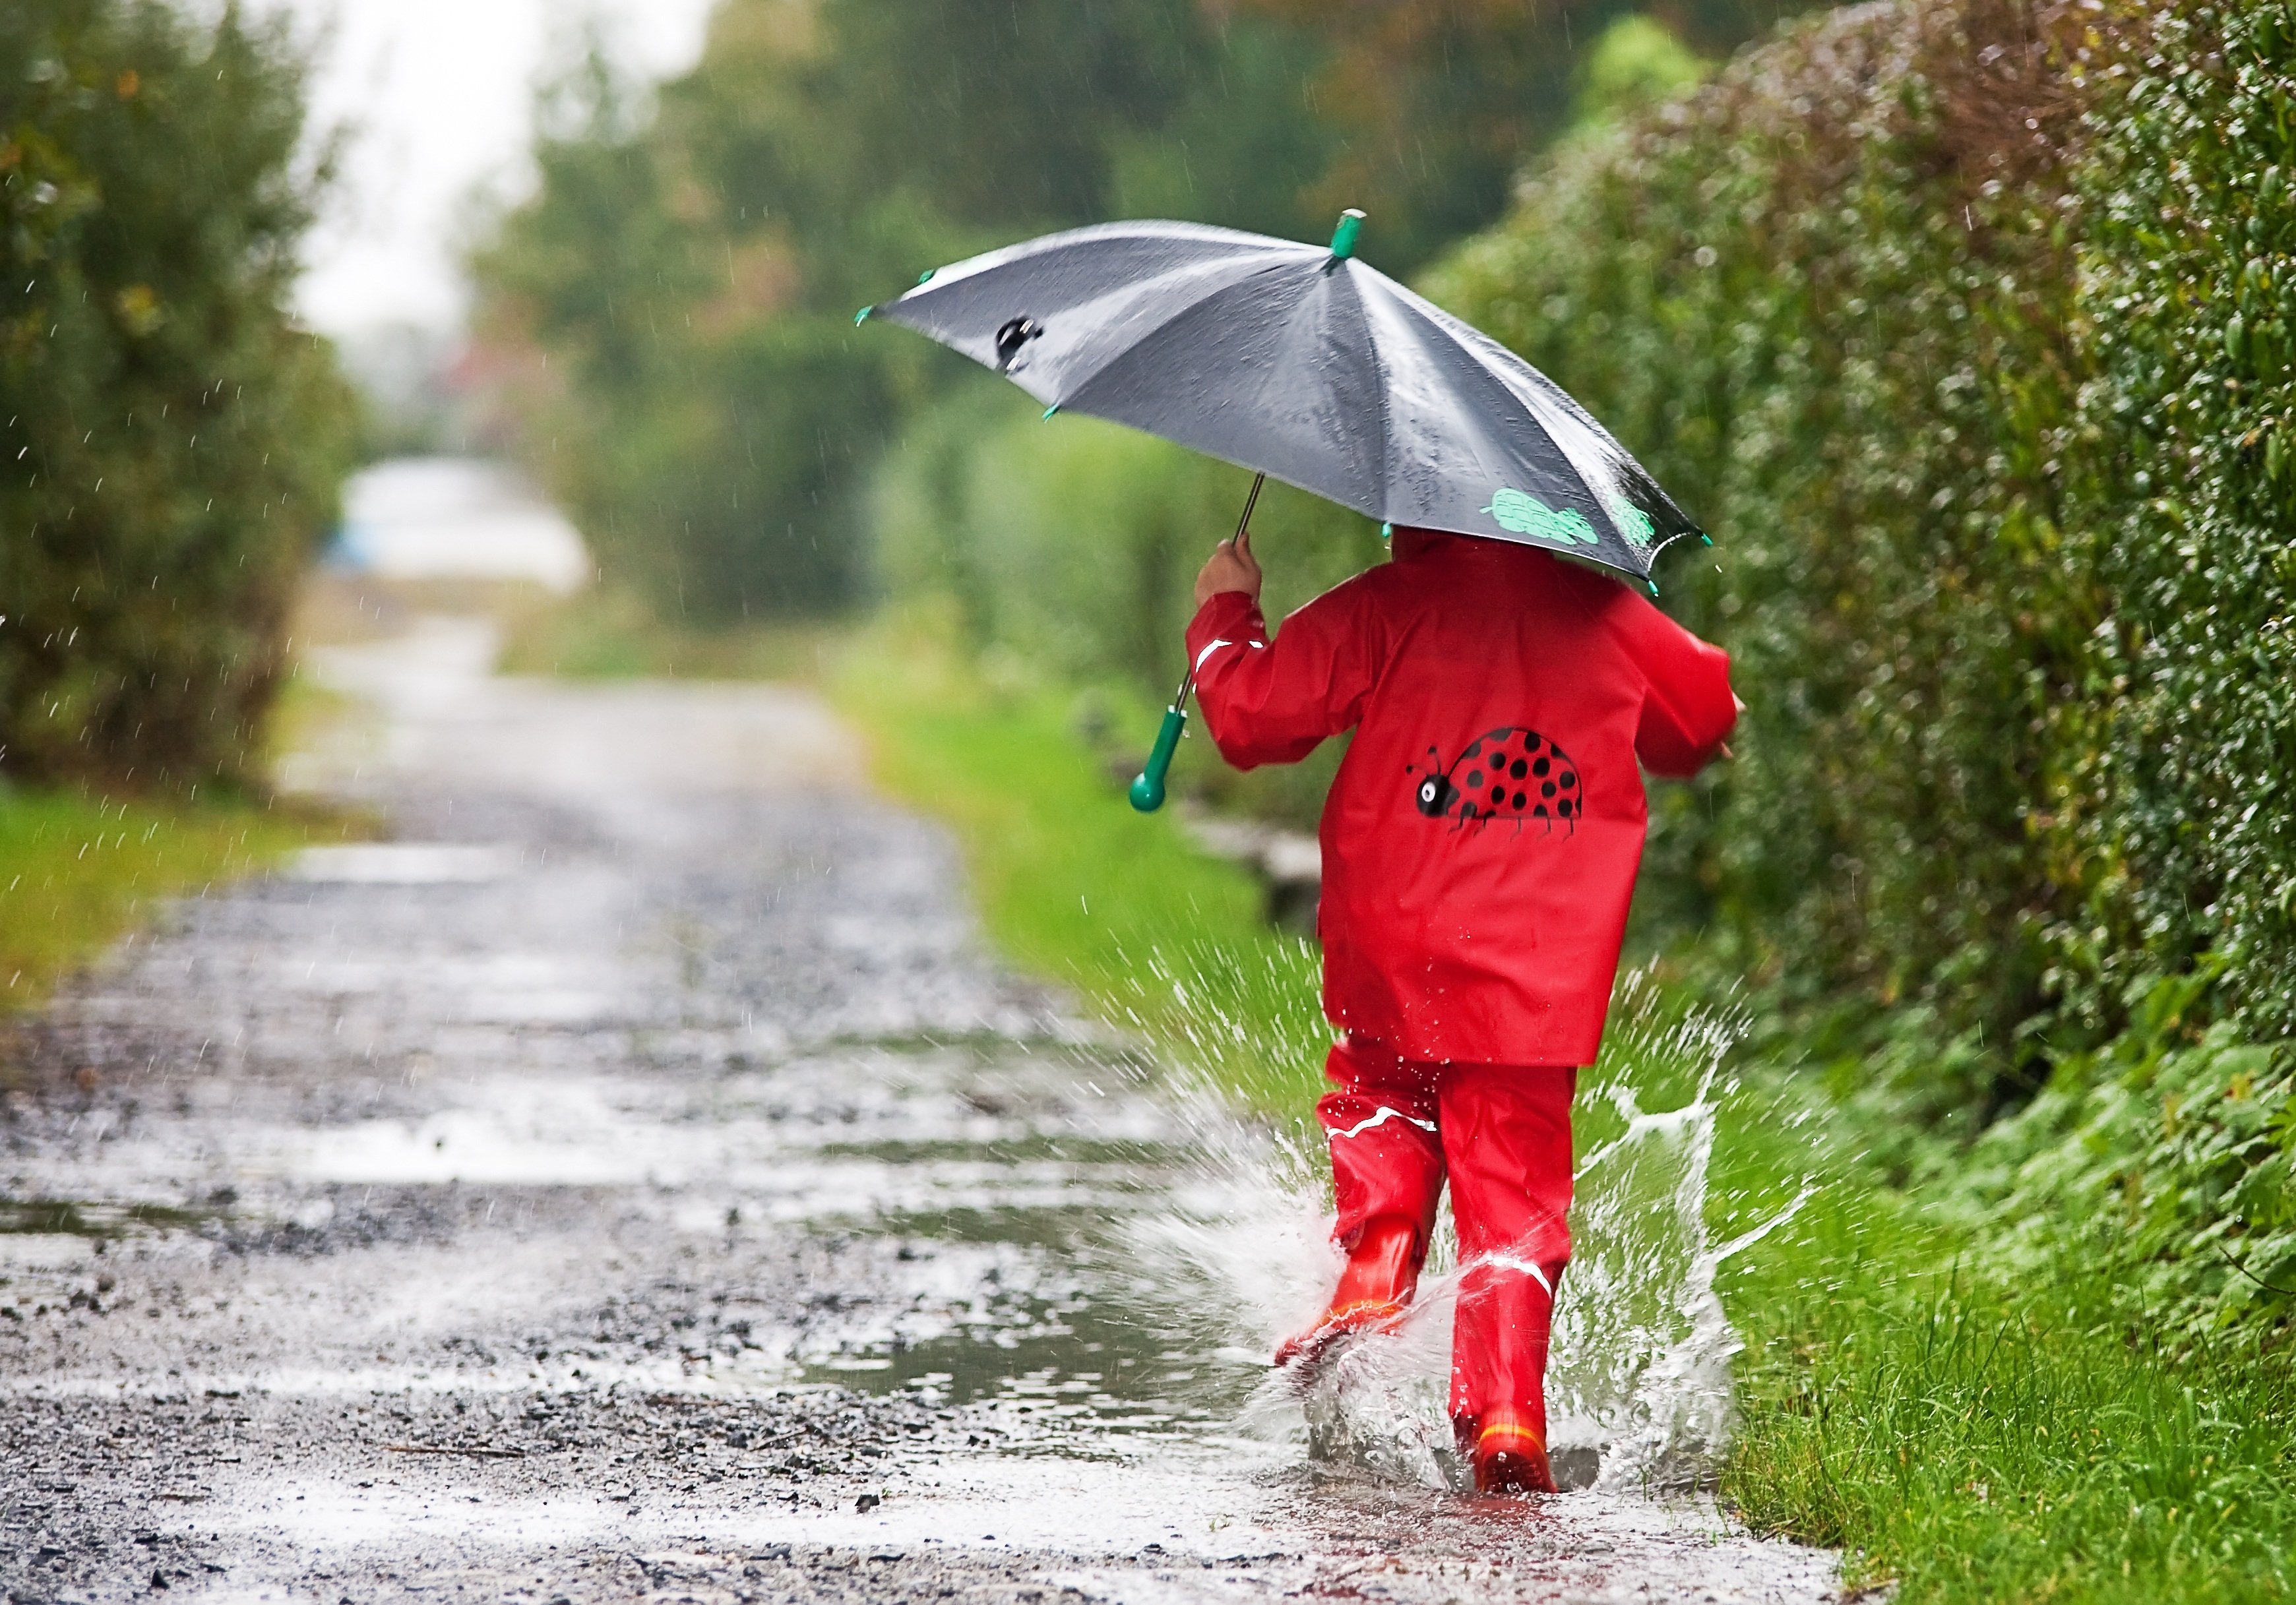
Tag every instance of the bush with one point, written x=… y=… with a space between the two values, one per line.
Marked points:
x=1968 y=329
x=172 y=445
x=2178 y=801
x=2163 y=1158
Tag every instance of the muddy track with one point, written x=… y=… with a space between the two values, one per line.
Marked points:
x=633 y=1181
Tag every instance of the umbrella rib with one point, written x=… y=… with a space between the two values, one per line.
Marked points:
x=1379 y=392
x=1436 y=318
x=1419 y=310
x=1564 y=401
x=1130 y=346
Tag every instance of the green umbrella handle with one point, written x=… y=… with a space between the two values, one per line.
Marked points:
x=1148 y=786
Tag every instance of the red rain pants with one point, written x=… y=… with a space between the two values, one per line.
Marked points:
x=1501 y=1133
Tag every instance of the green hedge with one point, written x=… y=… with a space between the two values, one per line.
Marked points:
x=2186 y=776
x=1828 y=302
x=172 y=445
x=1968 y=329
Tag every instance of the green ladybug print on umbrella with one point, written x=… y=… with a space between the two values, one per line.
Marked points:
x=1518 y=512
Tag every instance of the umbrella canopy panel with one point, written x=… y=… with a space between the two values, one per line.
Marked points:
x=1310 y=367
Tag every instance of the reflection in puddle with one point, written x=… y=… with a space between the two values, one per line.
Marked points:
x=92 y=1220
x=1030 y=1227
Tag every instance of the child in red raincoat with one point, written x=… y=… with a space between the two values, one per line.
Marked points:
x=1480 y=849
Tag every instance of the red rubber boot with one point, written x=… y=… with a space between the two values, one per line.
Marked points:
x=1381 y=1275
x=1509 y=1453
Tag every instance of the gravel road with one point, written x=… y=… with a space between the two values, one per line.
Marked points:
x=631 y=1181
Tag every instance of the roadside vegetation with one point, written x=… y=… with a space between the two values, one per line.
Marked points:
x=170 y=449
x=1153 y=933
x=76 y=869
x=172 y=445
x=614 y=635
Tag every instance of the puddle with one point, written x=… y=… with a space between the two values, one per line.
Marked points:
x=1050 y=1234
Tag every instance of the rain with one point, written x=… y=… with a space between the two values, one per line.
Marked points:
x=623 y=979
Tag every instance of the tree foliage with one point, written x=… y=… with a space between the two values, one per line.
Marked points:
x=172 y=445
x=1437 y=102
x=673 y=311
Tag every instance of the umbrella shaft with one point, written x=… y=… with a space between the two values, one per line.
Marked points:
x=1188 y=674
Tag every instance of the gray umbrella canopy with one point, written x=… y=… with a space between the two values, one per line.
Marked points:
x=1303 y=363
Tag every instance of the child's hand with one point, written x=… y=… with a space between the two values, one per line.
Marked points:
x=1230 y=567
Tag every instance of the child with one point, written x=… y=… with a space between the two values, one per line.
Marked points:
x=1480 y=849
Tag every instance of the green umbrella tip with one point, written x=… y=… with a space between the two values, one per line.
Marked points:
x=926 y=276
x=1343 y=238
x=1653 y=584
x=1387 y=532
x=862 y=317
x=1705 y=539
x=1051 y=409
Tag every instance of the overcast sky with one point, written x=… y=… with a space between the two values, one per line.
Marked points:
x=440 y=92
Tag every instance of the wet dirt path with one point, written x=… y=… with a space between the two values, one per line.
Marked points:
x=632 y=1181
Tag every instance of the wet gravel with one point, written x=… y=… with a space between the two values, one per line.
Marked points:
x=634 y=1183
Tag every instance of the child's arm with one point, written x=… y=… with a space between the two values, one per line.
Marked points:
x=1688 y=709
x=1273 y=702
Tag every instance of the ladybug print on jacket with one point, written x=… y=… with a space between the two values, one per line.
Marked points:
x=1511 y=773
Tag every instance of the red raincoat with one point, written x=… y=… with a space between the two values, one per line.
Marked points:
x=1482 y=840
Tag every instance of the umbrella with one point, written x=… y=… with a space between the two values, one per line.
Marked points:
x=1301 y=363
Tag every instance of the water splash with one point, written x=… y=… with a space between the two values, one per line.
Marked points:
x=1638 y=1387
x=1638 y=1384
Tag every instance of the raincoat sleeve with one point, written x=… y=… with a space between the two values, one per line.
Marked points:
x=1272 y=701
x=1688 y=710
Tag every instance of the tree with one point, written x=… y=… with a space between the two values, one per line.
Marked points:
x=173 y=445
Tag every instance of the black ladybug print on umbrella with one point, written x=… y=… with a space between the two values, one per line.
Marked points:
x=1511 y=772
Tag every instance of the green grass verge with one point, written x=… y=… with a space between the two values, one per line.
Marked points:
x=76 y=872
x=1970 y=1440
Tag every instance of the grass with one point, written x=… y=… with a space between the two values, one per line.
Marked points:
x=1980 y=1441
x=77 y=871
x=1965 y=1439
